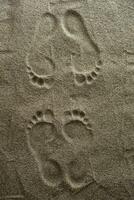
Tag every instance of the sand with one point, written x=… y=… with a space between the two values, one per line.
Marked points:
x=66 y=99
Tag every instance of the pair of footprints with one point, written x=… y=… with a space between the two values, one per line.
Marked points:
x=73 y=27
x=52 y=150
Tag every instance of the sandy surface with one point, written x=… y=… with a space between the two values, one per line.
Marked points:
x=66 y=99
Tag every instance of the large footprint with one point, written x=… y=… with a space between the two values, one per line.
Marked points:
x=74 y=27
x=77 y=127
x=39 y=62
x=43 y=140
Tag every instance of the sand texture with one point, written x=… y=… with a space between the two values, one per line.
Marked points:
x=67 y=99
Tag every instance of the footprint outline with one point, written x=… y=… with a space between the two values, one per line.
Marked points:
x=88 y=77
x=46 y=80
x=48 y=118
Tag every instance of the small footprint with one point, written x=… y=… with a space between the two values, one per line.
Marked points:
x=76 y=126
x=42 y=141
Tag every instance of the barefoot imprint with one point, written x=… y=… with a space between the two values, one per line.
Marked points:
x=42 y=140
x=41 y=67
x=74 y=27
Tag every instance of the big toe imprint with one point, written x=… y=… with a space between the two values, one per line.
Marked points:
x=43 y=140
